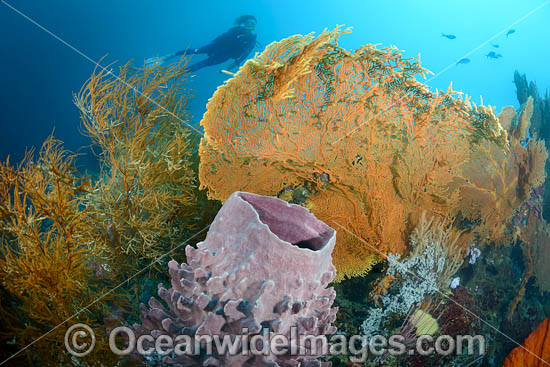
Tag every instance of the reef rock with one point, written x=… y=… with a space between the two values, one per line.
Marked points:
x=262 y=270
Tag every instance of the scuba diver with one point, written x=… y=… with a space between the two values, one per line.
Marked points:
x=236 y=44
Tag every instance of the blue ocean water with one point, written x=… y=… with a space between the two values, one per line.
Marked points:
x=39 y=72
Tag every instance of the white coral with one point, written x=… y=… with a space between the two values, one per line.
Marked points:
x=432 y=261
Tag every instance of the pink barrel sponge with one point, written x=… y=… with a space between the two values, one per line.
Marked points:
x=264 y=267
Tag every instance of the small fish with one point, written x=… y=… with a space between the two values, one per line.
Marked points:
x=493 y=55
x=449 y=36
x=510 y=32
x=463 y=61
x=495 y=45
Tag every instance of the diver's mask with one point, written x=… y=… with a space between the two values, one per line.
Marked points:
x=249 y=24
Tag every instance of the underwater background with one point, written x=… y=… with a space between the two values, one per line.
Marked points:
x=441 y=207
x=39 y=71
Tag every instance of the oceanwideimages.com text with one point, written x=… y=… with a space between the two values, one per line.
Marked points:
x=80 y=341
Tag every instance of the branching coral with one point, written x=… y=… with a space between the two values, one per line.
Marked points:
x=374 y=147
x=145 y=200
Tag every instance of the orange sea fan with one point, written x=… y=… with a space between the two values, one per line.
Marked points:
x=388 y=148
x=535 y=350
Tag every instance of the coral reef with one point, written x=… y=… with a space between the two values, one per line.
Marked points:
x=373 y=147
x=535 y=350
x=539 y=252
x=233 y=283
x=488 y=288
x=535 y=245
x=351 y=137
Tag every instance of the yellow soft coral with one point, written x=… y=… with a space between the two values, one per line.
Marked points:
x=66 y=239
x=388 y=149
x=145 y=200
x=45 y=256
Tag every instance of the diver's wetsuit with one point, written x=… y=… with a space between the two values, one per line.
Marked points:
x=236 y=43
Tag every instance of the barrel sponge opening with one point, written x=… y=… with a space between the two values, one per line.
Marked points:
x=291 y=223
